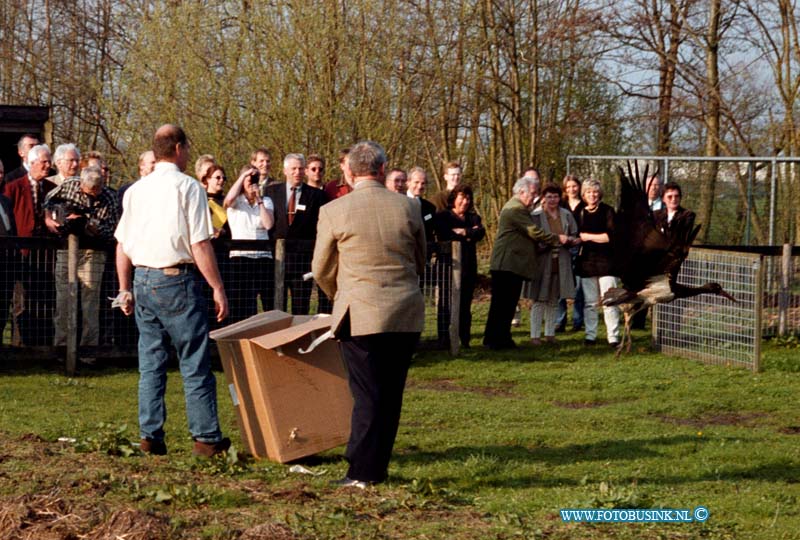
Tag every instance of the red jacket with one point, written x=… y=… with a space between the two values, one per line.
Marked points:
x=19 y=191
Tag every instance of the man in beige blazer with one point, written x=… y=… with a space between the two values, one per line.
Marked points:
x=369 y=254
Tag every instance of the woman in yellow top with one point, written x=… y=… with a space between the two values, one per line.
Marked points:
x=213 y=181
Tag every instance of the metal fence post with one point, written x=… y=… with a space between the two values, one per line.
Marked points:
x=72 y=305
x=455 y=297
x=280 y=273
x=783 y=296
x=759 y=311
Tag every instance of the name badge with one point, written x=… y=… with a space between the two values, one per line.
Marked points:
x=426 y=218
x=300 y=207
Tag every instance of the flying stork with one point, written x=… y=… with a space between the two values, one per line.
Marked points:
x=647 y=259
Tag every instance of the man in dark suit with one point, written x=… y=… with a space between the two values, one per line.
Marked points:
x=417 y=183
x=672 y=212
x=27 y=195
x=369 y=254
x=296 y=211
x=24 y=145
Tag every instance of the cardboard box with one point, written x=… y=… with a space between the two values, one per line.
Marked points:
x=288 y=405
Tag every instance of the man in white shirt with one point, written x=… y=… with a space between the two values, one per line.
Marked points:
x=165 y=232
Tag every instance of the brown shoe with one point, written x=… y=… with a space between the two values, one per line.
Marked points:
x=203 y=449
x=155 y=448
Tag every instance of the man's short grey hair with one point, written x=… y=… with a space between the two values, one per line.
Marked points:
x=416 y=170
x=526 y=183
x=21 y=141
x=62 y=149
x=290 y=157
x=366 y=158
x=92 y=177
x=33 y=153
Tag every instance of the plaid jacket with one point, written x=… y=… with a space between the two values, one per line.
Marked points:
x=102 y=211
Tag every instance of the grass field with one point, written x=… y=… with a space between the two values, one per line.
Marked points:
x=491 y=445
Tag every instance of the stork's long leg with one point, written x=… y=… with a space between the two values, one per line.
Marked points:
x=626 y=334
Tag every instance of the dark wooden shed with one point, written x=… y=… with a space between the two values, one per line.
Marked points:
x=17 y=120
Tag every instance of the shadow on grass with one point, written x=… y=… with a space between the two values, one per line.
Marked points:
x=497 y=466
x=566 y=351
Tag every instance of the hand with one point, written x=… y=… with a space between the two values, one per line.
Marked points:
x=460 y=232
x=563 y=239
x=221 y=303
x=125 y=299
x=576 y=241
x=52 y=225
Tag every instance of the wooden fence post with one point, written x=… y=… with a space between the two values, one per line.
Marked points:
x=280 y=273
x=72 y=305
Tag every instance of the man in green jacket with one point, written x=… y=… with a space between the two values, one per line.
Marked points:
x=513 y=260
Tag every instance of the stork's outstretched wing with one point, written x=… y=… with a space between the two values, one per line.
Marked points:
x=640 y=249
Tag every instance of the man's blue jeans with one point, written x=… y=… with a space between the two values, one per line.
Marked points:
x=171 y=309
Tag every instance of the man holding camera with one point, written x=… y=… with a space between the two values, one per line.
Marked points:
x=87 y=208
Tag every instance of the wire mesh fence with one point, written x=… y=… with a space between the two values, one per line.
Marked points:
x=711 y=328
x=43 y=306
x=261 y=275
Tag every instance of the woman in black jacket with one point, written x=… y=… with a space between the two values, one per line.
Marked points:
x=461 y=223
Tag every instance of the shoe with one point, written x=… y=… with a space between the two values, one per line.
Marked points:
x=204 y=449
x=550 y=339
x=589 y=342
x=351 y=483
x=536 y=341
x=154 y=448
x=577 y=328
x=561 y=327
x=515 y=322
x=613 y=344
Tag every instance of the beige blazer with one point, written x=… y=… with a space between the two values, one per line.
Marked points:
x=369 y=254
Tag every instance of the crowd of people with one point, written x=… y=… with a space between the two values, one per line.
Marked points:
x=53 y=195
x=553 y=242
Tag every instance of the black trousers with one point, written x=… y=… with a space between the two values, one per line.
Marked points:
x=377 y=366
x=296 y=265
x=465 y=308
x=246 y=279
x=506 y=288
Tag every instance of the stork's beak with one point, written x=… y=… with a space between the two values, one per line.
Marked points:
x=728 y=296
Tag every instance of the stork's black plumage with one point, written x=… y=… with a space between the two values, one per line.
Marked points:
x=648 y=260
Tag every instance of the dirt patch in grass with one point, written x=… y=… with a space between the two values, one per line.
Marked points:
x=790 y=430
x=70 y=496
x=132 y=525
x=268 y=531
x=504 y=389
x=296 y=494
x=584 y=404
x=727 y=418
